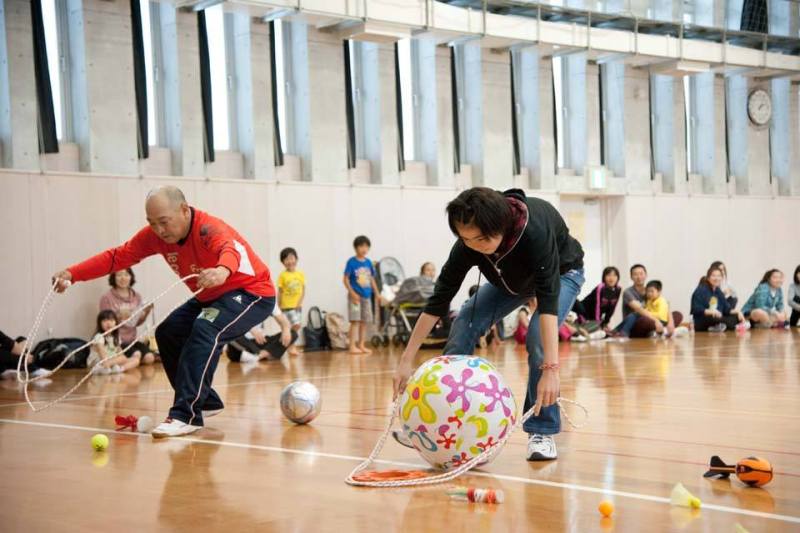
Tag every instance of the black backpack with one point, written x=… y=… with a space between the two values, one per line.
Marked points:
x=50 y=352
x=315 y=333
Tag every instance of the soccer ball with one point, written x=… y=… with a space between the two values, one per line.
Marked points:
x=300 y=402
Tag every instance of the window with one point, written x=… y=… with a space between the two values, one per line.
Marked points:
x=54 y=21
x=147 y=40
x=688 y=126
x=220 y=80
x=351 y=95
x=279 y=86
x=406 y=98
x=559 y=111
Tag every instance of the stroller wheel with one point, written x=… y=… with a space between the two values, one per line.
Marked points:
x=404 y=338
x=397 y=340
x=385 y=341
x=376 y=341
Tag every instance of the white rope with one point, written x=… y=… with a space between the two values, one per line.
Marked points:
x=23 y=359
x=485 y=455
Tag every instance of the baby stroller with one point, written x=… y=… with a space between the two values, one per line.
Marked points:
x=406 y=299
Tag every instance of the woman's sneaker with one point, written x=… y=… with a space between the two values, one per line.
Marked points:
x=719 y=328
x=541 y=447
x=100 y=370
x=173 y=428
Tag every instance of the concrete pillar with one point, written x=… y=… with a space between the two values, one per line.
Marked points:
x=498 y=149
x=18 y=107
x=368 y=105
x=636 y=130
x=327 y=116
x=440 y=169
x=253 y=97
x=545 y=177
x=738 y=124
x=526 y=81
x=389 y=170
x=183 y=107
x=103 y=93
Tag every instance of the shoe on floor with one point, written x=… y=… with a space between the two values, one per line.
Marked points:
x=597 y=335
x=682 y=331
x=718 y=328
x=248 y=357
x=11 y=373
x=100 y=370
x=116 y=369
x=173 y=428
x=579 y=338
x=212 y=412
x=541 y=447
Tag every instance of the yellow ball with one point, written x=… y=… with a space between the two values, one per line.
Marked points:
x=99 y=442
x=606 y=508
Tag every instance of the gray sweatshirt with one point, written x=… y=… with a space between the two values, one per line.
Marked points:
x=793 y=296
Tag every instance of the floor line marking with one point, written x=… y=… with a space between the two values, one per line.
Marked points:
x=552 y=484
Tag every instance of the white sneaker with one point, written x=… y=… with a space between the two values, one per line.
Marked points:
x=597 y=335
x=681 y=331
x=173 y=428
x=100 y=370
x=541 y=448
x=116 y=369
x=579 y=338
x=41 y=373
x=212 y=412
x=718 y=328
x=11 y=373
x=248 y=357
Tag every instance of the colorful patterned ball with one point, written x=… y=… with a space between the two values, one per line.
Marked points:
x=455 y=407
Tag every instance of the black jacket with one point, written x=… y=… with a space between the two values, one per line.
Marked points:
x=532 y=267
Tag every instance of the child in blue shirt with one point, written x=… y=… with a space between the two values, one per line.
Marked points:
x=359 y=279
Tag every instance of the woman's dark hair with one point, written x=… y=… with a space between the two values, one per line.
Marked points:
x=361 y=240
x=609 y=270
x=484 y=208
x=768 y=274
x=286 y=252
x=112 y=278
x=714 y=267
x=719 y=265
x=105 y=314
x=654 y=283
x=473 y=290
x=796 y=275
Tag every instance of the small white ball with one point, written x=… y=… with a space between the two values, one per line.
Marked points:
x=144 y=424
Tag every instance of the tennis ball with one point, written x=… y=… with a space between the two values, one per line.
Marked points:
x=99 y=442
x=606 y=508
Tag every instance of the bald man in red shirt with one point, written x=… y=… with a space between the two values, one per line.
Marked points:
x=237 y=294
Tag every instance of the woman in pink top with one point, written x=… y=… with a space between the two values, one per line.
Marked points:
x=123 y=300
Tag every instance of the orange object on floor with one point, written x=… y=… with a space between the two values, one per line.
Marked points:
x=390 y=475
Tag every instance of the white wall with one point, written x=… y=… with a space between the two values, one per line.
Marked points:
x=49 y=221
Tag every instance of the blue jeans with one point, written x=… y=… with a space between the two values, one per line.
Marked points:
x=626 y=326
x=494 y=305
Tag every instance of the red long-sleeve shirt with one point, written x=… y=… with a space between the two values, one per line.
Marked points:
x=210 y=243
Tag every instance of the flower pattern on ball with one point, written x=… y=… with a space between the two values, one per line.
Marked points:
x=496 y=394
x=418 y=390
x=460 y=389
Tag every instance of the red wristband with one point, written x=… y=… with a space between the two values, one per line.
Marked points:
x=549 y=366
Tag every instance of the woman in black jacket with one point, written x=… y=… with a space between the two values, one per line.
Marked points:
x=523 y=248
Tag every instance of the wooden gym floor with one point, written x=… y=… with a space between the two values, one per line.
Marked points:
x=659 y=410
